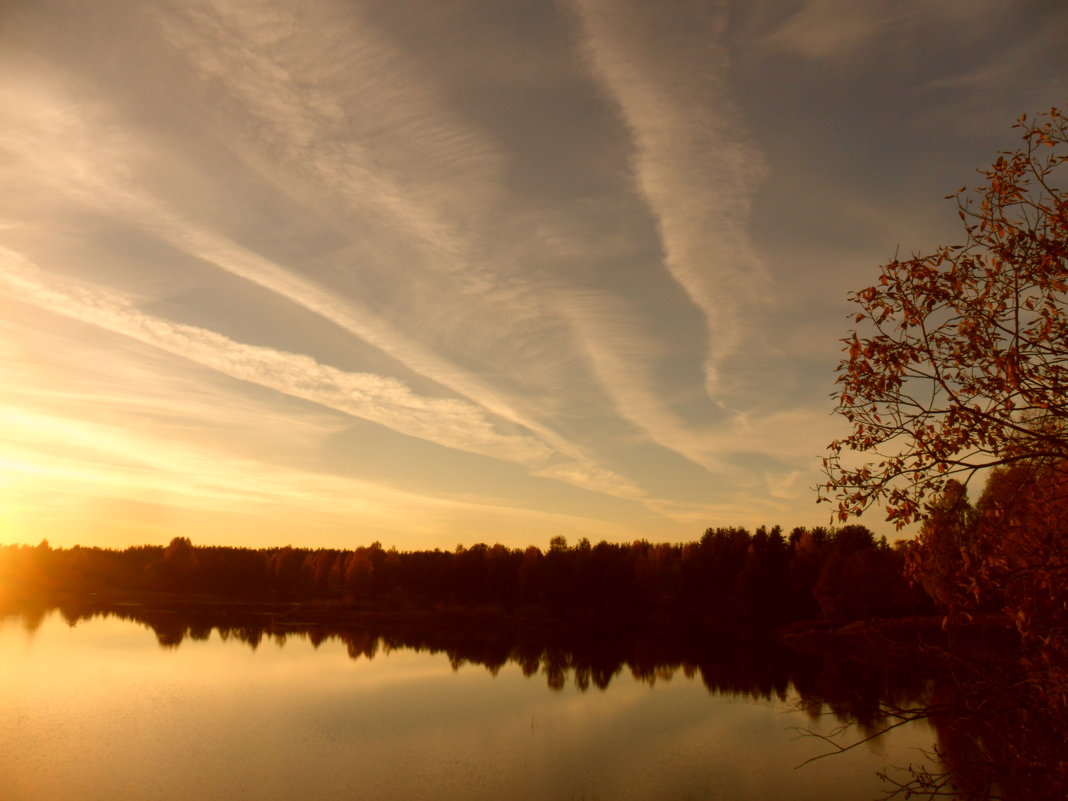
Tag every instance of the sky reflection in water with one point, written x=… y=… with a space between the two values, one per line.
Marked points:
x=99 y=711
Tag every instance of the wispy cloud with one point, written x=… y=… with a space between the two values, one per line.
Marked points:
x=840 y=29
x=100 y=460
x=622 y=357
x=331 y=99
x=123 y=382
x=450 y=422
x=694 y=162
x=94 y=168
x=822 y=29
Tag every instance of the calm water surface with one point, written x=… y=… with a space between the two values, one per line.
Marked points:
x=100 y=711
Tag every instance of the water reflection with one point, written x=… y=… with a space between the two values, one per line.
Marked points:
x=100 y=711
x=989 y=745
x=755 y=668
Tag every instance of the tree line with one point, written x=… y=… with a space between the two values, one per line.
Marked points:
x=765 y=576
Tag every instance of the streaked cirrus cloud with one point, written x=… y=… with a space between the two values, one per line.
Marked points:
x=484 y=270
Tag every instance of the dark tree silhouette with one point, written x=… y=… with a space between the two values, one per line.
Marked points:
x=729 y=578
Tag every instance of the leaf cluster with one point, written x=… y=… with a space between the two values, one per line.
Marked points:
x=959 y=361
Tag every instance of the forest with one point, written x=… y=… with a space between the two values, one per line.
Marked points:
x=763 y=577
x=1001 y=560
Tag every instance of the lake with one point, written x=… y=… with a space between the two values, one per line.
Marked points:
x=106 y=708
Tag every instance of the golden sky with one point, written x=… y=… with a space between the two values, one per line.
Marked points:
x=328 y=272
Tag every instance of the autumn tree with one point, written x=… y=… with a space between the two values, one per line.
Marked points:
x=946 y=549
x=960 y=357
x=1022 y=534
x=959 y=363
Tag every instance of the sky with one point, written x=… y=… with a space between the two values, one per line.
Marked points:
x=324 y=272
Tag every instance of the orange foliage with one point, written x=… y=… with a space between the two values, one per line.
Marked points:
x=963 y=359
x=1008 y=555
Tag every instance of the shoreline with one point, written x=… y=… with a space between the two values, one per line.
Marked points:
x=897 y=640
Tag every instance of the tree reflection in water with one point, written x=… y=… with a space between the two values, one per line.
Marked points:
x=993 y=742
x=996 y=739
